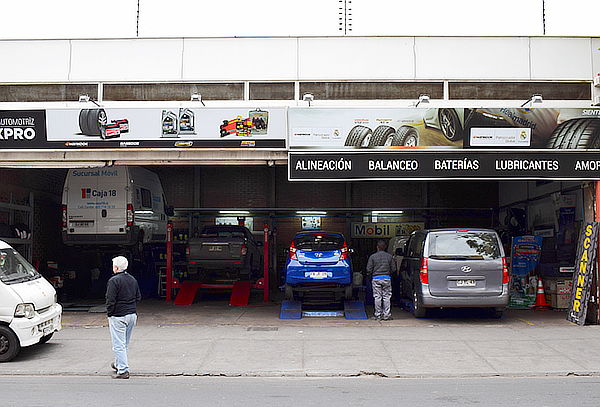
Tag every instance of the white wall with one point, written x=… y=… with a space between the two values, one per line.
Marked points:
x=322 y=58
x=69 y=19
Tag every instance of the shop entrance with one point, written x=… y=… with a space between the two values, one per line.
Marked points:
x=552 y=210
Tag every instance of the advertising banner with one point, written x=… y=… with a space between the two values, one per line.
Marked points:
x=443 y=128
x=583 y=275
x=384 y=230
x=423 y=165
x=333 y=129
x=22 y=128
x=525 y=256
x=175 y=127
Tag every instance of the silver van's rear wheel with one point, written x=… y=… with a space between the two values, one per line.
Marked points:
x=418 y=310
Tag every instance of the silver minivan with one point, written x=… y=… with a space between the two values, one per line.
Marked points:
x=455 y=268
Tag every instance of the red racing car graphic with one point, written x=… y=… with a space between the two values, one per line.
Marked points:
x=255 y=124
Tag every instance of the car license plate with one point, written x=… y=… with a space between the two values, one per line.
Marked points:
x=465 y=283
x=318 y=275
x=84 y=224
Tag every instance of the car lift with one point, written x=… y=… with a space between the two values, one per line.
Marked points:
x=353 y=309
x=240 y=290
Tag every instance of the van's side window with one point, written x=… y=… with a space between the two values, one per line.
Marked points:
x=419 y=243
x=410 y=247
x=146 y=198
x=415 y=245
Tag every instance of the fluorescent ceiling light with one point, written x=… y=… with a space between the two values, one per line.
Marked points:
x=235 y=212
x=387 y=213
x=311 y=213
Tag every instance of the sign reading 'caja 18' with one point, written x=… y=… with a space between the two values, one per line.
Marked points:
x=429 y=165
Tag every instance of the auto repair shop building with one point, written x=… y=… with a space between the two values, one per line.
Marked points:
x=319 y=124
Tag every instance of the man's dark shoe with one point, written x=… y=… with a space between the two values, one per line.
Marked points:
x=112 y=365
x=124 y=375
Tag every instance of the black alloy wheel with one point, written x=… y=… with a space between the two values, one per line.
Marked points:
x=450 y=124
x=9 y=344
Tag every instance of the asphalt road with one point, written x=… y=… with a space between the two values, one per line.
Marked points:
x=331 y=392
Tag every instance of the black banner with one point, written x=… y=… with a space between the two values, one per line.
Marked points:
x=419 y=165
x=22 y=129
x=584 y=271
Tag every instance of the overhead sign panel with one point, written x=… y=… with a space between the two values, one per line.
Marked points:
x=443 y=128
x=175 y=127
x=22 y=128
x=420 y=165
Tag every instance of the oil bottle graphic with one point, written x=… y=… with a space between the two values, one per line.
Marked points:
x=186 y=121
x=169 y=124
x=260 y=121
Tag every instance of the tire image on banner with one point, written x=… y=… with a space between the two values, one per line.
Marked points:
x=585 y=267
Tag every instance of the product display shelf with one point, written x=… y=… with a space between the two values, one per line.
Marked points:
x=19 y=213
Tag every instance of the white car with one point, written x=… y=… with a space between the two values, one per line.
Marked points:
x=29 y=313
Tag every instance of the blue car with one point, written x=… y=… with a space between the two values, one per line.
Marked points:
x=318 y=265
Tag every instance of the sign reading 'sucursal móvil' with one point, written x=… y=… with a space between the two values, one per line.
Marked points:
x=584 y=269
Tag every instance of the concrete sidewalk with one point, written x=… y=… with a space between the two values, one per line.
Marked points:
x=216 y=339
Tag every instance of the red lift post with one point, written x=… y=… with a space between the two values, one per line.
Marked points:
x=266 y=264
x=169 y=271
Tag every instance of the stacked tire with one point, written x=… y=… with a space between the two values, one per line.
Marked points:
x=576 y=134
x=362 y=136
x=92 y=122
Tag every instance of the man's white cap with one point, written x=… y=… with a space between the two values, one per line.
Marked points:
x=121 y=263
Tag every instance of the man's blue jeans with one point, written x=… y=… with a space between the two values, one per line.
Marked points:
x=120 y=333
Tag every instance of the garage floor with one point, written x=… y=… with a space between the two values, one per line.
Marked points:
x=218 y=312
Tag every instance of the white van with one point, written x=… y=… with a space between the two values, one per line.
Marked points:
x=29 y=313
x=113 y=206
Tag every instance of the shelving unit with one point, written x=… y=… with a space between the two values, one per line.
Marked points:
x=19 y=213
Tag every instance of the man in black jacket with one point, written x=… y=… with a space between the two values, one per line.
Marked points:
x=122 y=295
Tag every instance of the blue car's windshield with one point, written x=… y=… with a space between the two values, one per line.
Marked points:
x=318 y=242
